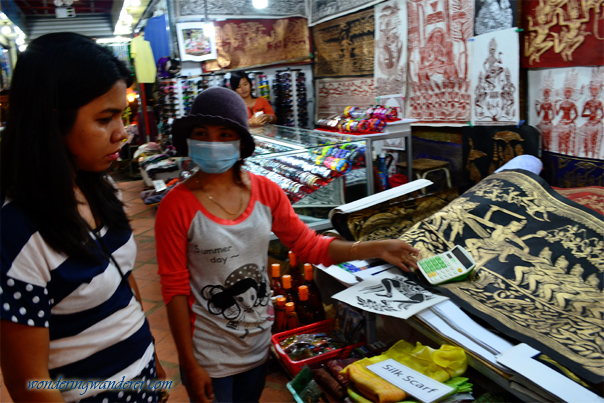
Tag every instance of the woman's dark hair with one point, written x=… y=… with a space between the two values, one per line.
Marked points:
x=58 y=74
x=236 y=78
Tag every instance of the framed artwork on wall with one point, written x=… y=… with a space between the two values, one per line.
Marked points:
x=196 y=40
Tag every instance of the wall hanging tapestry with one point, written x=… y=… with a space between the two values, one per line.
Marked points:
x=566 y=171
x=275 y=8
x=493 y=15
x=344 y=46
x=439 y=80
x=591 y=196
x=246 y=43
x=540 y=259
x=485 y=149
x=390 y=219
x=562 y=33
x=566 y=106
x=390 y=57
x=321 y=11
x=335 y=94
x=494 y=78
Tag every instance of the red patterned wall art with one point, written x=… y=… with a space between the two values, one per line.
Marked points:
x=335 y=94
x=567 y=106
x=563 y=33
x=439 y=81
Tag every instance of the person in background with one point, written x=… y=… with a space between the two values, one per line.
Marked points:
x=212 y=233
x=241 y=83
x=69 y=306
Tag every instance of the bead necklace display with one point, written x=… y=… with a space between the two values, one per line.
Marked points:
x=355 y=120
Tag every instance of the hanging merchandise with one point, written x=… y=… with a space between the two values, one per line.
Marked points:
x=495 y=79
x=562 y=34
x=345 y=45
x=439 y=85
x=495 y=15
x=290 y=98
x=256 y=42
x=390 y=58
x=566 y=106
x=156 y=33
x=144 y=63
x=334 y=94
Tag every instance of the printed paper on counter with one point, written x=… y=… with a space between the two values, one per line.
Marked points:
x=389 y=293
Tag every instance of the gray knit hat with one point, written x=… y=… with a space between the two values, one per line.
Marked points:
x=214 y=106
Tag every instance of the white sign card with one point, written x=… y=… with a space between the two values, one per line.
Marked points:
x=412 y=382
x=389 y=293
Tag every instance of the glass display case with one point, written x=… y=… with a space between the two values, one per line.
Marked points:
x=311 y=166
x=308 y=165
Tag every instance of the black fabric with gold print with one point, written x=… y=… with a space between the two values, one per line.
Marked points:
x=540 y=264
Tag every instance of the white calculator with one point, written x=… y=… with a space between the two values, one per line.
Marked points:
x=453 y=265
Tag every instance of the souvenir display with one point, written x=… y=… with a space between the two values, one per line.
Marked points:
x=566 y=105
x=494 y=72
x=566 y=171
x=345 y=46
x=291 y=104
x=538 y=265
x=562 y=33
x=439 y=80
x=254 y=42
x=390 y=57
x=494 y=15
x=486 y=149
x=335 y=94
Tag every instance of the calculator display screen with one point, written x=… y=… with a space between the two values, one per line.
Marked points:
x=461 y=257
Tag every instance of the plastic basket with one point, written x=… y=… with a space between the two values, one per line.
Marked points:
x=293 y=367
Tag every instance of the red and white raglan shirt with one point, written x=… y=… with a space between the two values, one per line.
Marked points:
x=221 y=265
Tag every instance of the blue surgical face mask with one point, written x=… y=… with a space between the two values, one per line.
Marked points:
x=214 y=157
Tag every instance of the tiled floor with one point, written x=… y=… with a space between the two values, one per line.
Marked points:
x=145 y=272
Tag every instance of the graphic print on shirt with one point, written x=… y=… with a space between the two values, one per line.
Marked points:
x=244 y=289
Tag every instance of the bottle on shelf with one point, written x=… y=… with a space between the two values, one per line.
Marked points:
x=294 y=271
x=280 y=324
x=306 y=313
x=288 y=291
x=292 y=317
x=276 y=279
x=314 y=295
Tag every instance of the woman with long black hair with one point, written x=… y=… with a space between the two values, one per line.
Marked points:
x=69 y=307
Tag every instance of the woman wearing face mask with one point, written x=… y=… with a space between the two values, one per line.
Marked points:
x=260 y=111
x=212 y=234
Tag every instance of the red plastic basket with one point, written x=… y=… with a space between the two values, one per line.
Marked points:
x=294 y=367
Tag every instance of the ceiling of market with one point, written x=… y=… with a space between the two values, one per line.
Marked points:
x=94 y=18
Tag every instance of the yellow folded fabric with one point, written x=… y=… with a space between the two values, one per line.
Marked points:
x=440 y=365
x=372 y=386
